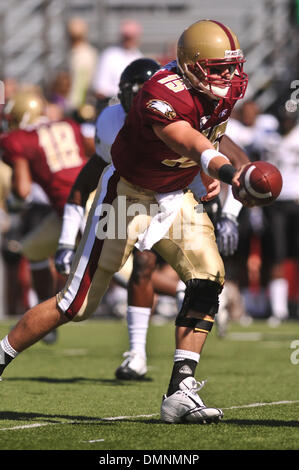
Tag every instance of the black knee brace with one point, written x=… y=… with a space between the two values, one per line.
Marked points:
x=201 y=295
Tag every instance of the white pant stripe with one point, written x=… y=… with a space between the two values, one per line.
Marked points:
x=73 y=288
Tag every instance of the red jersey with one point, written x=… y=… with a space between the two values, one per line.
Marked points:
x=55 y=153
x=140 y=156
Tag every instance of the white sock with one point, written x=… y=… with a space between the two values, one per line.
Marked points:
x=181 y=354
x=138 y=320
x=7 y=348
x=278 y=293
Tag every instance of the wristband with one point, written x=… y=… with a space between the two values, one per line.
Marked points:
x=208 y=155
x=73 y=215
x=226 y=173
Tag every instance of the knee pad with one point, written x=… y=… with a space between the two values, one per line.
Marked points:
x=201 y=295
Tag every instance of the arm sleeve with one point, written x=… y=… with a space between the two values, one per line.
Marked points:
x=11 y=149
x=158 y=104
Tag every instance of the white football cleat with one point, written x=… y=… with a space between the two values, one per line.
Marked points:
x=133 y=367
x=185 y=405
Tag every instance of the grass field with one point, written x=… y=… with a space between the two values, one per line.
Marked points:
x=65 y=397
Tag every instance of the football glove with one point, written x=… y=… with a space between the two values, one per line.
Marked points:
x=16 y=204
x=63 y=258
x=227 y=234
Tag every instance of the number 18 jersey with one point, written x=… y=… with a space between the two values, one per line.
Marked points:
x=55 y=154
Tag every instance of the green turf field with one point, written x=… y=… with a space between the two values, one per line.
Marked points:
x=65 y=396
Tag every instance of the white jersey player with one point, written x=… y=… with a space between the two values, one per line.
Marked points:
x=283 y=216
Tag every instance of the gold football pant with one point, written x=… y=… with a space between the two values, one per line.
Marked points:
x=41 y=242
x=120 y=212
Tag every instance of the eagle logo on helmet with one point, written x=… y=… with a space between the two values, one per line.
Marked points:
x=162 y=107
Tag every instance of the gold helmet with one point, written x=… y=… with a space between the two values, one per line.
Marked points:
x=24 y=108
x=209 y=56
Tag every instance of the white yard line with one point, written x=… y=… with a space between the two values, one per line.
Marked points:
x=255 y=405
x=119 y=418
x=26 y=426
x=94 y=440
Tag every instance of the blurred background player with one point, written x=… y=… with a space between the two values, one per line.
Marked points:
x=82 y=62
x=51 y=154
x=247 y=272
x=114 y=59
x=282 y=218
x=145 y=278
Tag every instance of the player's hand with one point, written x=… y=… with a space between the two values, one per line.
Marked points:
x=239 y=194
x=63 y=259
x=212 y=186
x=227 y=234
x=16 y=204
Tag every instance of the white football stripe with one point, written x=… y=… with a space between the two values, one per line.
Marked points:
x=250 y=189
x=74 y=286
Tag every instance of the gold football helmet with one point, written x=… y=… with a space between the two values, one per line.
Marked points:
x=24 y=108
x=209 y=56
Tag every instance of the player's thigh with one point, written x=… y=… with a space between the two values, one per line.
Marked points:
x=191 y=248
x=41 y=242
x=104 y=248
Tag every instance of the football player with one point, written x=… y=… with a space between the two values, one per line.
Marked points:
x=51 y=154
x=145 y=279
x=282 y=217
x=171 y=132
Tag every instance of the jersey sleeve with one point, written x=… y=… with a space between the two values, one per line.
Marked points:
x=102 y=146
x=11 y=149
x=165 y=101
x=108 y=124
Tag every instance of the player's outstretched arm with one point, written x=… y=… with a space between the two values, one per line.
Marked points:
x=233 y=151
x=183 y=139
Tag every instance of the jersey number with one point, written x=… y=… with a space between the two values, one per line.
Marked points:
x=173 y=82
x=60 y=146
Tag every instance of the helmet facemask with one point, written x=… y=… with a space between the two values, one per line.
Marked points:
x=208 y=76
x=132 y=79
x=127 y=93
x=210 y=58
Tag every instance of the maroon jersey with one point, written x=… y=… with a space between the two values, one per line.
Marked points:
x=140 y=156
x=55 y=153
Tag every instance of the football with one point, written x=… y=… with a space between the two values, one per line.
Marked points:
x=261 y=182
